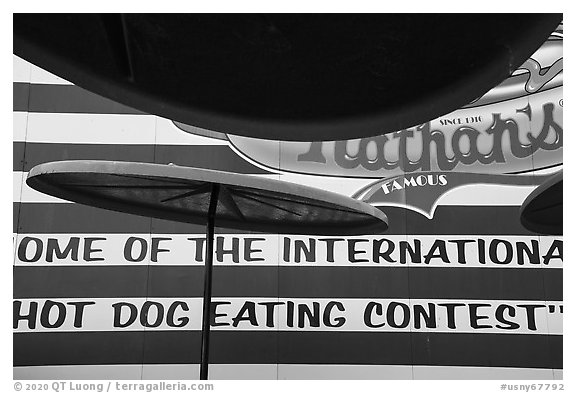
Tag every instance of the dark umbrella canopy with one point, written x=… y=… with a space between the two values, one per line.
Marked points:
x=541 y=212
x=286 y=76
x=183 y=194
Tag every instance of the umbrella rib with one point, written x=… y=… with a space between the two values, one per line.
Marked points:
x=241 y=195
x=200 y=190
x=230 y=203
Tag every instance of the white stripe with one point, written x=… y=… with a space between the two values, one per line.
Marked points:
x=168 y=372
x=387 y=372
x=268 y=250
x=20 y=70
x=334 y=315
x=215 y=371
x=106 y=128
x=19 y=124
x=17 y=186
x=486 y=373
x=91 y=128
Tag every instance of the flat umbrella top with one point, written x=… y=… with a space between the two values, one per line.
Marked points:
x=183 y=194
x=541 y=212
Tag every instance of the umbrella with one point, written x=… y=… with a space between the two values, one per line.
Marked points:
x=203 y=196
x=541 y=212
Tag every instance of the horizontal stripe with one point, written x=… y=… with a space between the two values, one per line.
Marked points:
x=423 y=283
x=18 y=150
x=423 y=251
x=38 y=153
x=212 y=157
x=19 y=125
x=444 y=349
x=21 y=96
x=111 y=129
x=141 y=281
x=163 y=372
x=281 y=371
x=302 y=282
x=18 y=181
x=80 y=128
x=48 y=98
x=20 y=70
x=456 y=316
x=465 y=220
x=448 y=220
x=383 y=372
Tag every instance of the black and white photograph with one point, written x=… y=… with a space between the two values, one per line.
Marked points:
x=287 y=196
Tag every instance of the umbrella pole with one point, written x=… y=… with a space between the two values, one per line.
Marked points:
x=205 y=348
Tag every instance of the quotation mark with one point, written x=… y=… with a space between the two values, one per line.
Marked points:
x=552 y=309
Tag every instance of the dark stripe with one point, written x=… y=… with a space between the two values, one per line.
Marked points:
x=57 y=217
x=288 y=282
x=211 y=157
x=48 y=98
x=18 y=150
x=448 y=220
x=15 y=217
x=421 y=283
x=488 y=350
x=139 y=281
x=465 y=220
x=21 y=95
x=438 y=349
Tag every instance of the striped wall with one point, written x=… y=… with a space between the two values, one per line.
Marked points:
x=468 y=294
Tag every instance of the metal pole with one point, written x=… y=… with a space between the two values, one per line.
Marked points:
x=205 y=349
